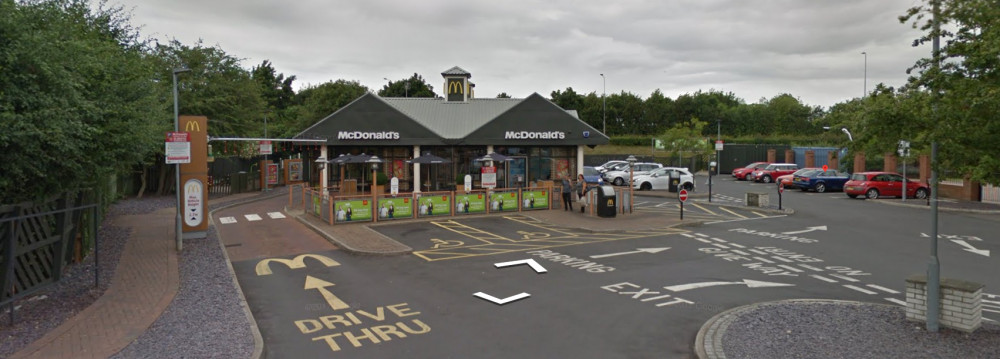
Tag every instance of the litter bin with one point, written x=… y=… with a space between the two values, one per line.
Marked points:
x=673 y=183
x=606 y=202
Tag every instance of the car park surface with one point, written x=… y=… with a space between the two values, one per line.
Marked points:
x=873 y=185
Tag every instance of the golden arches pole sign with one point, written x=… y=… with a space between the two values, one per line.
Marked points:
x=194 y=178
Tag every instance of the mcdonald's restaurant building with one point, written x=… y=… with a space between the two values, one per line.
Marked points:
x=543 y=141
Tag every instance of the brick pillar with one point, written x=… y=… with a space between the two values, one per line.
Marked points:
x=970 y=190
x=789 y=156
x=925 y=168
x=859 y=162
x=832 y=161
x=889 y=163
x=772 y=155
x=810 y=158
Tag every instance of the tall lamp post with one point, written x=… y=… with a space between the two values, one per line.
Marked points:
x=604 y=105
x=866 y=73
x=177 y=172
x=631 y=170
x=374 y=160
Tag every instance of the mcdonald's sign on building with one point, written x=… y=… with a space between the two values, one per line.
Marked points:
x=194 y=178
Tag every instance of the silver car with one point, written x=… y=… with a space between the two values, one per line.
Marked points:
x=621 y=176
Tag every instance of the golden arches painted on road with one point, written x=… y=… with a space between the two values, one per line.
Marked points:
x=264 y=266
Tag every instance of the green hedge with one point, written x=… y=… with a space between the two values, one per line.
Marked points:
x=826 y=139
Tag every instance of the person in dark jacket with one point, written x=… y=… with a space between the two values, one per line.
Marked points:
x=567 y=193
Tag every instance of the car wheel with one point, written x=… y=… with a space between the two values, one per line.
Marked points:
x=921 y=193
x=820 y=187
x=871 y=193
x=645 y=186
x=766 y=179
x=619 y=181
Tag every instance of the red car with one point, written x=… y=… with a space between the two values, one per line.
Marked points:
x=742 y=172
x=873 y=185
x=772 y=171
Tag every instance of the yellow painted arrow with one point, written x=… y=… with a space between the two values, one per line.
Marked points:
x=320 y=285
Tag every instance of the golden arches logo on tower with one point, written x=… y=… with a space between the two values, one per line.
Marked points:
x=455 y=87
x=192 y=126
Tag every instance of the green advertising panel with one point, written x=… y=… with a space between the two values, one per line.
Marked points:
x=316 y=205
x=358 y=210
x=470 y=203
x=395 y=208
x=535 y=199
x=435 y=205
x=503 y=201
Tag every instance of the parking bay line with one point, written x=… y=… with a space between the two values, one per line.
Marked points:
x=862 y=290
x=884 y=289
x=822 y=278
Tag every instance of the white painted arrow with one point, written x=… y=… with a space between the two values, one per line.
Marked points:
x=749 y=284
x=970 y=248
x=640 y=250
x=499 y=301
x=320 y=285
x=531 y=262
x=808 y=229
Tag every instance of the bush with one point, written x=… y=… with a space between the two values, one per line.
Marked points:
x=381 y=179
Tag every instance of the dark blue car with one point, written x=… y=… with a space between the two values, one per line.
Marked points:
x=821 y=181
x=592 y=175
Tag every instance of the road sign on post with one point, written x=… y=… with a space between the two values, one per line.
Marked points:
x=178 y=148
x=682 y=196
x=781 y=189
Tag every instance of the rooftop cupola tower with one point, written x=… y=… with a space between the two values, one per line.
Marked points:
x=457 y=87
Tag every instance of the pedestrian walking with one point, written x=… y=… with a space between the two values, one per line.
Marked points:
x=567 y=193
x=579 y=189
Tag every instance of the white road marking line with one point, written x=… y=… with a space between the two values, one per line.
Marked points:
x=719 y=240
x=806 y=266
x=786 y=260
x=884 y=289
x=737 y=245
x=844 y=277
x=737 y=251
x=252 y=217
x=687 y=235
x=788 y=267
x=897 y=301
x=720 y=245
x=862 y=290
x=275 y=215
x=701 y=235
x=822 y=278
x=757 y=251
x=745 y=219
x=227 y=220
x=765 y=260
x=704 y=241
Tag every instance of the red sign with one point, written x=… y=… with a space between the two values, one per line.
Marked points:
x=178 y=148
x=781 y=188
x=265 y=147
x=683 y=195
x=824 y=168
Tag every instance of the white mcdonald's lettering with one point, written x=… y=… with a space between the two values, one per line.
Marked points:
x=358 y=135
x=529 y=135
x=192 y=126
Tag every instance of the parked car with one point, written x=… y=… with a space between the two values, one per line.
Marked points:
x=883 y=184
x=620 y=177
x=821 y=181
x=787 y=180
x=772 y=171
x=607 y=166
x=591 y=175
x=742 y=172
x=659 y=179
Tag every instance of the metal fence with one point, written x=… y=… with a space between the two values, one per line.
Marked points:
x=38 y=240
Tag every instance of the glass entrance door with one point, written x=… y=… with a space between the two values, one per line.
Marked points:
x=518 y=172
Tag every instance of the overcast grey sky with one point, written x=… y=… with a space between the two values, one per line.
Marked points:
x=754 y=49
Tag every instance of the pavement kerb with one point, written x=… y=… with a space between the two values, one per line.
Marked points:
x=300 y=216
x=928 y=207
x=258 y=339
x=708 y=342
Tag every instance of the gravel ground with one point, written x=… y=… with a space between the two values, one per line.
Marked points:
x=839 y=330
x=205 y=319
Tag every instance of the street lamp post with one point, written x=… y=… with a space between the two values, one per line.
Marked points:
x=177 y=174
x=604 y=105
x=631 y=170
x=866 y=73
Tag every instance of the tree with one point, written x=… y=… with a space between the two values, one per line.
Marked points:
x=275 y=88
x=963 y=83
x=686 y=138
x=415 y=86
x=318 y=102
x=503 y=95
x=76 y=101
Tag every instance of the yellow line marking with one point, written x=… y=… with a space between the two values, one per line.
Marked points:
x=734 y=213
x=704 y=209
x=759 y=214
